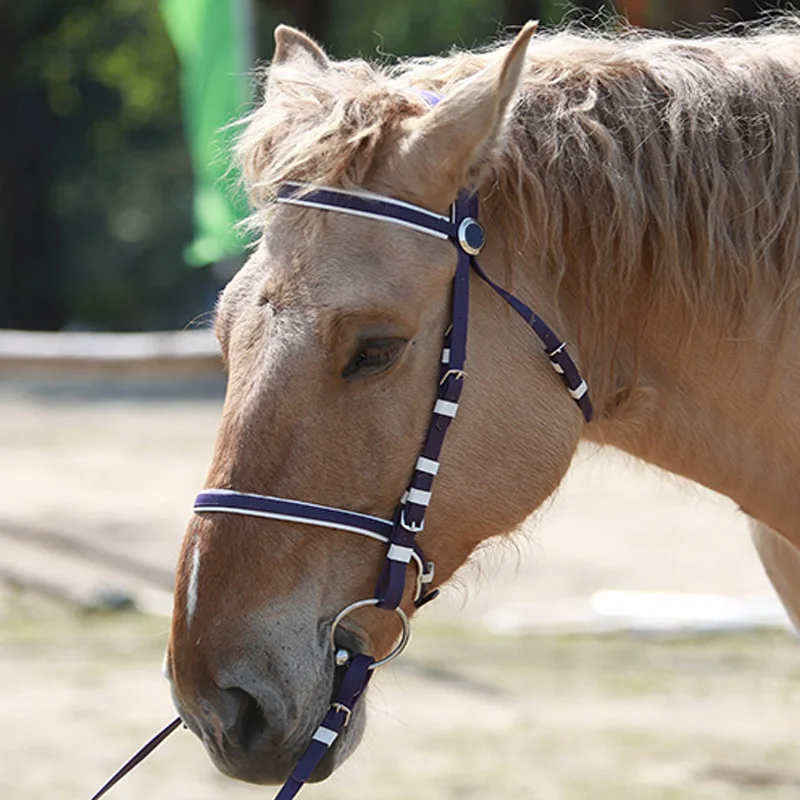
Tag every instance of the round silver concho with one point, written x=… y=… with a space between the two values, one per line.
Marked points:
x=471 y=236
x=373 y=601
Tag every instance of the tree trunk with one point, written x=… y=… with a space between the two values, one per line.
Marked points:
x=30 y=290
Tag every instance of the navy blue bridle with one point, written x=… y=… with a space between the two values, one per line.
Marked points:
x=460 y=227
x=399 y=534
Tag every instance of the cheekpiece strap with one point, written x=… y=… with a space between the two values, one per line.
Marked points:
x=410 y=515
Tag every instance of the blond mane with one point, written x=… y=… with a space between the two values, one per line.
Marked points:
x=636 y=160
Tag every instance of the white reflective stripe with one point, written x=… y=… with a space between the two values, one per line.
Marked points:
x=369 y=196
x=445 y=408
x=418 y=497
x=357 y=213
x=446 y=355
x=379 y=537
x=325 y=735
x=580 y=391
x=427 y=465
x=399 y=553
x=224 y=492
x=557 y=367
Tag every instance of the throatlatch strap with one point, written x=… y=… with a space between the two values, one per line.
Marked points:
x=555 y=349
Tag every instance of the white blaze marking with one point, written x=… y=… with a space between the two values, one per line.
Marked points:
x=191 y=594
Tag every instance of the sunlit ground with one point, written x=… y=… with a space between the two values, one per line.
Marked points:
x=463 y=715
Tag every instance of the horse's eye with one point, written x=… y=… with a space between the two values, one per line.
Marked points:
x=374 y=356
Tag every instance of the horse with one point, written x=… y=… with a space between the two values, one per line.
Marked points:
x=640 y=191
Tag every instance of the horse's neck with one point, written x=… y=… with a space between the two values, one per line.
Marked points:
x=718 y=411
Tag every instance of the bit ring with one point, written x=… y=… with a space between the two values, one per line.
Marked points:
x=373 y=601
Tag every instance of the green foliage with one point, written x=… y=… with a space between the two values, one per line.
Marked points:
x=119 y=45
x=123 y=188
x=123 y=193
x=422 y=27
x=414 y=27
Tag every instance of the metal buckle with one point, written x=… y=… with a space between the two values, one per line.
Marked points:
x=373 y=601
x=410 y=526
x=345 y=710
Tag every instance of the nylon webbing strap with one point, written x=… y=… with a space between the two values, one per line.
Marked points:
x=279 y=508
x=257 y=505
x=138 y=757
x=365 y=204
x=410 y=516
x=555 y=349
x=353 y=684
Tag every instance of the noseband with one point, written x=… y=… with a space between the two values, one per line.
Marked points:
x=460 y=227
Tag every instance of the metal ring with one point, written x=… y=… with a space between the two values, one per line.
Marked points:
x=373 y=601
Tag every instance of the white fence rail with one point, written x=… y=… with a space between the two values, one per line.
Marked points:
x=172 y=352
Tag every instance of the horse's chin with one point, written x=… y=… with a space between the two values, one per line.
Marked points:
x=272 y=764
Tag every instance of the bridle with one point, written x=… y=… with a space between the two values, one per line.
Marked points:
x=460 y=227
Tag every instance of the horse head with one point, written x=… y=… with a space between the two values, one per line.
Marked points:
x=332 y=335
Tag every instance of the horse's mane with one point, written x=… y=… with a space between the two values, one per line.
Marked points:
x=638 y=156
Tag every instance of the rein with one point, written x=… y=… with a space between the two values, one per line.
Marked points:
x=398 y=534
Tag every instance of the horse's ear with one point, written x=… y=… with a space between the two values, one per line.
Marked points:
x=453 y=141
x=294 y=47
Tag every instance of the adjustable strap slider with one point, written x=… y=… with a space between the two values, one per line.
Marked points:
x=400 y=553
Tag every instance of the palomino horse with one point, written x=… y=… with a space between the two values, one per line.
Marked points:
x=641 y=193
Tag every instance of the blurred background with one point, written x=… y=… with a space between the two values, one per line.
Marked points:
x=628 y=645
x=97 y=202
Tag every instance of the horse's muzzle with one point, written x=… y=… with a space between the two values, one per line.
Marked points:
x=256 y=740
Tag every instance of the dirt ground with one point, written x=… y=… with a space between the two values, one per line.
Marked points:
x=465 y=713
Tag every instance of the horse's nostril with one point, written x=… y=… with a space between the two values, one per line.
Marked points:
x=250 y=723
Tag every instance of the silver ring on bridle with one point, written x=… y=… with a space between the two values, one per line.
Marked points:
x=373 y=601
